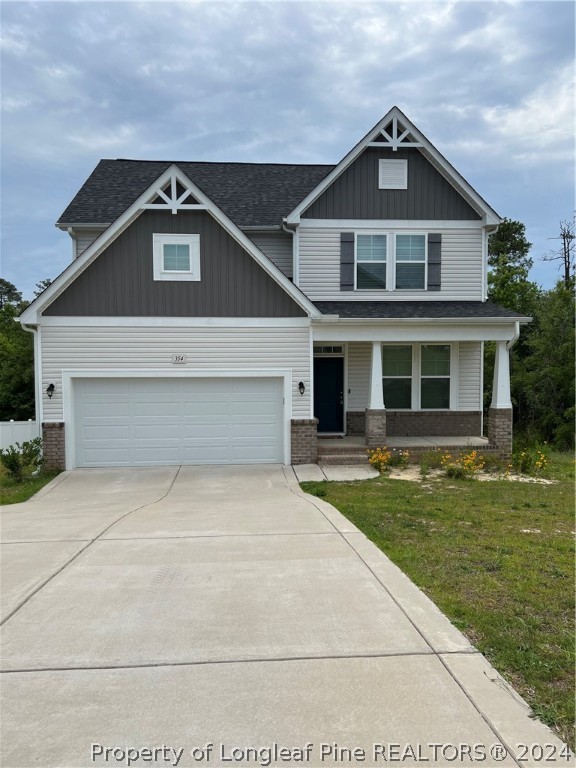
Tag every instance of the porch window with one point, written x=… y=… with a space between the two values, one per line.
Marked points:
x=416 y=376
x=410 y=261
x=435 y=376
x=397 y=376
x=371 y=254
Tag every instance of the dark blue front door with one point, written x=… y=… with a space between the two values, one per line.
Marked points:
x=329 y=393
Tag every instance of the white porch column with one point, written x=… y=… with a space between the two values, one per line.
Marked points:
x=501 y=386
x=376 y=401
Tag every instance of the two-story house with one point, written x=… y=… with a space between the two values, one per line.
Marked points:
x=233 y=312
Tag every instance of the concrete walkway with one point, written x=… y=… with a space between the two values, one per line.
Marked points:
x=153 y=612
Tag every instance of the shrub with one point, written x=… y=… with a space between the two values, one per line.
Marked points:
x=463 y=467
x=22 y=459
x=530 y=461
x=399 y=458
x=431 y=460
x=379 y=458
x=383 y=458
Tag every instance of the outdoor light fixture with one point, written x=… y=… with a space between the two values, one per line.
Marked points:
x=301 y=388
x=50 y=390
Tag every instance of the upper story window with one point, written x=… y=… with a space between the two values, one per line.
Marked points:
x=176 y=257
x=390 y=261
x=410 y=261
x=371 y=254
x=393 y=174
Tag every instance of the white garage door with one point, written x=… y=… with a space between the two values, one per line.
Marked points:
x=143 y=422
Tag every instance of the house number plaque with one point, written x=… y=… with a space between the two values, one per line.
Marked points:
x=178 y=359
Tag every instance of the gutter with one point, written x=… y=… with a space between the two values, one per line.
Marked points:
x=420 y=320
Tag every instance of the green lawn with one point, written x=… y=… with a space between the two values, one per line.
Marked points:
x=497 y=558
x=14 y=493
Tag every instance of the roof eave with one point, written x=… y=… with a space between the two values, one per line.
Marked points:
x=414 y=320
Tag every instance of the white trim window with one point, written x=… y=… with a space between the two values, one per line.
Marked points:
x=410 y=259
x=435 y=376
x=418 y=377
x=397 y=366
x=393 y=174
x=176 y=257
x=371 y=261
x=392 y=261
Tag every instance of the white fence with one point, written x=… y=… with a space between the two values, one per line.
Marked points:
x=17 y=432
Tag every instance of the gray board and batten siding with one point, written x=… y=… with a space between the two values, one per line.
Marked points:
x=119 y=282
x=355 y=193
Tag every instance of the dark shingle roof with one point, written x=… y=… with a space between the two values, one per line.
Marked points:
x=402 y=310
x=251 y=194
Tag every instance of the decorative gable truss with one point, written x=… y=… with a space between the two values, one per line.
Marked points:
x=174 y=196
x=394 y=136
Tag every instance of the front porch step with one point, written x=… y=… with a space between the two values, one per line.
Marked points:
x=348 y=450
x=333 y=449
x=343 y=458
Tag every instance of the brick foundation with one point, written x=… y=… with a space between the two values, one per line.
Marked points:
x=355 y=422
x=53 y=445
x=304 y=441
x=375 y=428
x=445 y=423
x=500 y=430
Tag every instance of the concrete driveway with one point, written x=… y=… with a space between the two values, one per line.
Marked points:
x=211 y=615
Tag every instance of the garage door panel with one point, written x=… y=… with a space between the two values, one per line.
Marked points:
x=144 y=422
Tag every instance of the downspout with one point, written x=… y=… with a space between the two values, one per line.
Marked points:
x=295 y=253
x=37 y=384
x=486 y=232
x=514 y=339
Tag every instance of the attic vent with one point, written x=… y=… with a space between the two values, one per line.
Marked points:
x=393 y=174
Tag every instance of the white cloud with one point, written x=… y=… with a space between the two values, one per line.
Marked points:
x=104 y=141
x=542 y=122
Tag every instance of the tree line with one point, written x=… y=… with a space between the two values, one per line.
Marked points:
x=542 y=361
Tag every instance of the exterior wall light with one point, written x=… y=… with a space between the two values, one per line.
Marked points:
x=301 y=388
x=50 y=390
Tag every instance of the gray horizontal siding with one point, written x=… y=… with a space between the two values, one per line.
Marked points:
x=120 y=280
x=277 y=246
x=355 y=194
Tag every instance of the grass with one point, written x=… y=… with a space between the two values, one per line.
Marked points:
x=14 y=493
x=497 y=558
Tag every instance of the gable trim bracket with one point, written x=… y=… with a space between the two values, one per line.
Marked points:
x=173 y=174
x=489 y=215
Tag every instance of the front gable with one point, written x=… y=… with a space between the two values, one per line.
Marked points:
x=422 y=185
x=356 y=193
x=240 y=281
x=120 y=282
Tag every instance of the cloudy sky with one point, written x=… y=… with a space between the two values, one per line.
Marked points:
x=490 y=84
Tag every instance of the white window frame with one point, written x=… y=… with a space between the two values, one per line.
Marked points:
x=417 y=374
x=394 y=262
x=391 y=261
x=158 y=243
x=397 y=163
x=387 y=262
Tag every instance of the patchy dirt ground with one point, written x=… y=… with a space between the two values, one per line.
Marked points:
x=412 y=473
